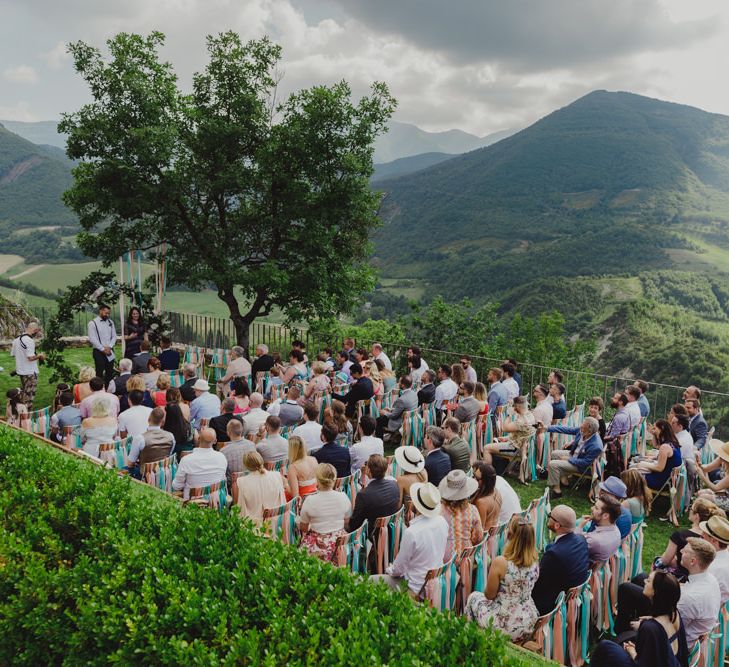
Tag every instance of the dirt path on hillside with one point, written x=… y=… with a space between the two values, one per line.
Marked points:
x=27 y=271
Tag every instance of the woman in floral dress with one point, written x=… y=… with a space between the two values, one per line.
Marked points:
x=508 y=599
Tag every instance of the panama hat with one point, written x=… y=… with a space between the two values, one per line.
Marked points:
x=716 y=527
x=426 y=498
x=456 y=485
x=721 y=449
x=201 y=385
x=410 y=459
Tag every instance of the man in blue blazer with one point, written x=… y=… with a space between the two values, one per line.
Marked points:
x=565 y=562
x=698 y=427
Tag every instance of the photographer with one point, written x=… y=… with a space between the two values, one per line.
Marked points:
x=26 y=362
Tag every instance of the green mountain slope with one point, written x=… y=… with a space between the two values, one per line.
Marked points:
x=613 y=183
x=32 y=181
x=408 y=165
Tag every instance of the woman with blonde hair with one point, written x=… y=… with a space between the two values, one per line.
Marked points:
x=301 y=474
x=717 y=492
x=480 y=393
x=99 y=428
x=82 y=389
x=323 y=515
x=508 y=600
x=319 y=382
x=638 y=499
x=371 y=371
x=159 y=397
x=260 y=489
x=389 y=379
x=137 y=382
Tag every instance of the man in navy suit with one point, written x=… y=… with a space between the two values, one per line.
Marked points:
x=565 y=562
x=698 y=428
x=361 y=390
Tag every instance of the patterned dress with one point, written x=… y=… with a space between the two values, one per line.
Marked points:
x=513 y=611
x=462 y=523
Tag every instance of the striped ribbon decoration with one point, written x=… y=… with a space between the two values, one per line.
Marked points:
x=550 y=632
x=37 y=422
x=281 y=466
x=439 y=588
x=387 y=536
x=412 y=429
x=349 y=486
x=496 y=540
x=634 y=546
x=471 y=564
x=116 y=453
x=717 y=645
x=281 y=522
x=161 y=473
x=577 y=601
x=468 y=433
x=219 y=359
x=351 y=550
x=538 y=512
x=600 y=612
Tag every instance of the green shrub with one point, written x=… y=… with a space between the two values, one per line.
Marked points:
x=96 y=569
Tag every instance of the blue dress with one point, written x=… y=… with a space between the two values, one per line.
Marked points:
x=656 y=480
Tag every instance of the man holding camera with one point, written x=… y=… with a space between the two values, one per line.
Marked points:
x=26 y=362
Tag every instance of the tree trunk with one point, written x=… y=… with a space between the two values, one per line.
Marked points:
x=242 y=324
x=243 y=333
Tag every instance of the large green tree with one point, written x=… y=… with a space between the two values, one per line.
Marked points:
x=268 y=202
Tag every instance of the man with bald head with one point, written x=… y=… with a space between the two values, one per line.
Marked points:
x=201 y=467
x=565 y=562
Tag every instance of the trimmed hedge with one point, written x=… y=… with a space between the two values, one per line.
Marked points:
x=95 y=569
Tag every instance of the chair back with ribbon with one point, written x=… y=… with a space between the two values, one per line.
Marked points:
x=632 y=546
x=538 y=511
x=393 y=469
x=72 y=437
x=234 y=476
x=528 y=463
x=280 y=522
x=262 y=379
x=577 y=601
x=439 y=588
x=679 y=493
x=597 y=472
x=115 y=453
x=472 y=565
x=37 y=422
x=600 y=606
x=349 y=485
x=496 y=540
x=484 y=432
x=542 y=453
x=560 y=440
x=160 y=473
x=469 y=434
x=367 y=407
x=219 y=360
x=619 y=565
x=386 y=537
x=351 y=550
x=698 y=652
x=550 y=632
x=278 y=392
x=412 y=429
x=214 y=496
x=194 y=355
x=427 y=411
x=281 y=466
x=322 y=400
x=717 y=645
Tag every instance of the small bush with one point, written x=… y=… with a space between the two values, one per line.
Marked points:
x=97 y=570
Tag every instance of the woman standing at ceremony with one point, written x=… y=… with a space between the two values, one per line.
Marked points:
x=508 y=599
x=323 y=515
x=661 y=639
x=301 y=474
x=134 y=332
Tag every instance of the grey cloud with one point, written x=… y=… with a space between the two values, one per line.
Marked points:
x=529 y=35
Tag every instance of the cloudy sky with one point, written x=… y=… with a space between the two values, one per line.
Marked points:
x=477 y=65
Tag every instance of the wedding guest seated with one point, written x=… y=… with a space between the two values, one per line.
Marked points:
x=367 y=445
x=507 y=602
x=658 y=472
x=335 y=415
x=168 y=358
x=189 y=373
x=238 y=367
x=260 y=489
x=205 y=405
x=468 y=407
x=290 y=411
x=140 y=359
x=455 y=446
x=361 y=389
x=99 y=427
x=392 y=419
x=638 y=495
x=118 y=386
x=241 y=393
x=559 y=404
x=136 y=383
x=319 y=382
x=82 y=388
x=177 y=423
x=331 y=452
x=202 y=467
x=426 y=393
x=464 y=522
x=159 y=397
x=437 y=462
x=323 y=515
x=411 y=471
x=716 y=532
x=594 y=409
x=565 y=563
x=301 y=473
x=520 y=431
x=236 y=447
x=219 y=423
x=256 y=416
x=272 y=446
x=68 y=415
x=154 y=370
x=155 y=444
x=296 y=370
x=310 y=430
x=263 y=362
x=486 y=498
x=381 y=496
x=97 y=392
x=135 y=419
x=605 y=539
x=614 y=489
x=174 y=396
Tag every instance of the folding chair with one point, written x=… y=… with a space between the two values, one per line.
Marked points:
x=718 y=638
x=600 y=605
x=72 y=437
x=698 y=652
x=427 y=411
x=37 y=422
x=595 y=473
x=349 y=485
x=577 y=603
x=632 y=546
x=484 y=432
x=676 y=489
x=468 y=433
x=160 y=473
x=439 y=587
x=262 y=380
x=386 y=536
x=392 y=468
x=219 y=360
x=496 y=540
x=538 y=511
x=472 y=565
x=116 y=453
x=351 y=550
x=413 y=430
x=214 y=496
x=280 y=522
x=550 y=633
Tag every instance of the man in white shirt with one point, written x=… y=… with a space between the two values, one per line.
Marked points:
x=201 y=467
x=543 y=411
x=96 y=384
x=468 y=369
x=379 y=353
x=716 y=533
x=368 y=444
x=680 y=426
x=509 y=500
x=134 y=420
x=26 y=362
x=102 y=338
x=447 y=389
x=633 y=407
x=310 y=430
x=256 y=416
x=423 y=543
x=700 y=595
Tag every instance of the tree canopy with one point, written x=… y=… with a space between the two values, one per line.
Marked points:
x=267 y=202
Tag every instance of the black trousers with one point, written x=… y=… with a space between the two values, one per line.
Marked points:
x=382 y=422
x=632 y=603
x=104 y=367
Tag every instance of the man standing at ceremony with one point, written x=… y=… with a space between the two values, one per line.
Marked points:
x=102 y=338
x=26 y=362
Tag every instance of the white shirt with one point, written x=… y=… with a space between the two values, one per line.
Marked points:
x=471 y=375
x=416 y=374
x=253 y=419
x=512 y=388
x=699 y=605
x=509 y=500
x=445 y=391
x=135 y=420
x=634 y=412
x=544 y=411
x=310 y=433
x=687 y=446
x=423 y=547
x=102 y=333
x=325 y=511
x=362 y=450
x=22 y=348
x=720 y=569
x=385 y=360
x=274 y=408
x=201 y=467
